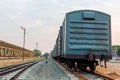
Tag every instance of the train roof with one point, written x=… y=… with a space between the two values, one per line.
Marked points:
x=88 y=11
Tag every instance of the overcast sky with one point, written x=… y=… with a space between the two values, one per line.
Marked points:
x=42 y=19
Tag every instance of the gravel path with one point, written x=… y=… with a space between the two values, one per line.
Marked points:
x=43 y=71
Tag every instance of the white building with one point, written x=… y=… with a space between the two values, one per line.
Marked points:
x=114 y=54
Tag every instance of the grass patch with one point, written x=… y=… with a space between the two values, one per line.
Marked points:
x=9 y=62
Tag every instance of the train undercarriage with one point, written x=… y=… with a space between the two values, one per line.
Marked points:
x=79 y=64
x=82 y=64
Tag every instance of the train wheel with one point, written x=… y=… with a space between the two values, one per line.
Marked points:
x=74 y=66
x=84 y=67
x=81 y=66
x=92 y=67
x=69 y=64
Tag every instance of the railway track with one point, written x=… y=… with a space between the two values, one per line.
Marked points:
x=94 y=76
x=15 y=70
x=86 y=75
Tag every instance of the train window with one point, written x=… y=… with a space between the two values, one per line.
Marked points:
x=88 y=15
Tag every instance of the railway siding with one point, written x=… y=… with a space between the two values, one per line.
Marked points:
x=12 y=72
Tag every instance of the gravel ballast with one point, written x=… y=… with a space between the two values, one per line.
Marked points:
x=44 y=71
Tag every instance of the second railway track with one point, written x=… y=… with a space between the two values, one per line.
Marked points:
x=15 y=70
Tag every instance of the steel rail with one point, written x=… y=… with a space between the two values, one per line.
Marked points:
x=83 y=77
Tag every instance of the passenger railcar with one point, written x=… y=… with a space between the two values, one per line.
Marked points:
x=84 y=37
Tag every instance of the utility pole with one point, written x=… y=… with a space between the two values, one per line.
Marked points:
x=24 y=30
x=37 y=45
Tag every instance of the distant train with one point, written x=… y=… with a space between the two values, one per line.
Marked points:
x=84 y=39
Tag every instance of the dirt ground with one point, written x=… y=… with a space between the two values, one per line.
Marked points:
x=8 y=62
x=112 y=70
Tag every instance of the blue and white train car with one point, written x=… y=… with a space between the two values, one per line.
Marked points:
x=84 y=37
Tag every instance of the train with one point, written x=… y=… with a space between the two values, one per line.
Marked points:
x=84 y=40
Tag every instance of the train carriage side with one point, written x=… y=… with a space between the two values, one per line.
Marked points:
x=57 y=48
x=87 y=37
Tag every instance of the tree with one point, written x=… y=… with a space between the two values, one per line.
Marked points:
x=119 y=52
x=46 y=54
x=116 y=47
x=37 y=53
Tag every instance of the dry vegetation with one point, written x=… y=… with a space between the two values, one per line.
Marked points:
x=15 y=61
x=112 y=70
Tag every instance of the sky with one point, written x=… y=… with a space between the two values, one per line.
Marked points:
x=43 y=18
